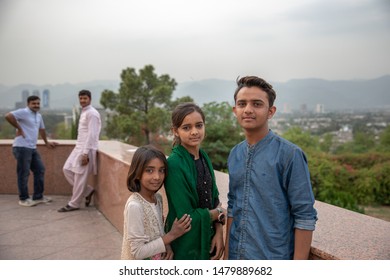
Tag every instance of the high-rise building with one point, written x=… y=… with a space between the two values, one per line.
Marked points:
x=320 y=109
x=25 y=95
x=45 y=98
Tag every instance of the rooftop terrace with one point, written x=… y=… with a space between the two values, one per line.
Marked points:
x=95 y=232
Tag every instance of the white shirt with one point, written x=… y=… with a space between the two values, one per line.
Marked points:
x=88 y=130
x=87 y=142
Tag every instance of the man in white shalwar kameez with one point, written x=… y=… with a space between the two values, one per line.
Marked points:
x=82 y=161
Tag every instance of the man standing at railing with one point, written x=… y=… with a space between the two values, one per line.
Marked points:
x=29 y=123
x=82 y=161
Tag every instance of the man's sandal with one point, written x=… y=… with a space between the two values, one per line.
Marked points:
x=67 y=208
x=88 y=198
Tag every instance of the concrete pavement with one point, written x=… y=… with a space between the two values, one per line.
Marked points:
x=41 y=233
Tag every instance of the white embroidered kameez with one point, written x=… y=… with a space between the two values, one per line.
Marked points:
x=143 y=228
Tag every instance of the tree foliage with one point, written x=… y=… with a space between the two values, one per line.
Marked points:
x=62 y=132
x=140 y=108
x=349 y=179
x=331 y=181
x=302 y=138
x=363 y=141
x=384 y=140
x=6 y=130
x=222 y=133
x=75 y=123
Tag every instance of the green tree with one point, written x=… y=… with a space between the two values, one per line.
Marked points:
x=222 y=133
x=363 y=141
x=332 y=181
x=139 y=108
x=384 y=140
x=179 y=100
x=326 y=142
x=75 y=123
x=7 y=131
x=62 y=132
x=51 y=120
x=301 y=138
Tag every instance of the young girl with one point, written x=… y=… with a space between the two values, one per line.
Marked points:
x=191 y=188
x=143 y=234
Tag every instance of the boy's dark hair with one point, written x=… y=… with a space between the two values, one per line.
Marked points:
x=32 y=98
x=253 y=81
x=85 y=92
x=180 y=112
x=140 y=159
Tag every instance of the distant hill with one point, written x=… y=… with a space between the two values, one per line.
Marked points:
x=334 y=95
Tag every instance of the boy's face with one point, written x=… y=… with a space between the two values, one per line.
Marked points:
x=252 y=109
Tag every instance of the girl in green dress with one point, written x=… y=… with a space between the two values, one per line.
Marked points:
x=191 y=188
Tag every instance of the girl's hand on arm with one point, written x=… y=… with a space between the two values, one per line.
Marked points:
x=179 y=227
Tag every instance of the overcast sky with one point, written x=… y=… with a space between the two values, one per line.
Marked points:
x=58 y=41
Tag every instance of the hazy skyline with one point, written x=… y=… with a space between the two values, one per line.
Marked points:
x=59 y=41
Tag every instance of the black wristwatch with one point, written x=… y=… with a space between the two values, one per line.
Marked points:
x=221 y=216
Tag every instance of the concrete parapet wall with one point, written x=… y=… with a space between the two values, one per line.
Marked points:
x=53 y=159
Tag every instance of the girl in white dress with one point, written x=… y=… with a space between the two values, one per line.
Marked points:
x=143 y=233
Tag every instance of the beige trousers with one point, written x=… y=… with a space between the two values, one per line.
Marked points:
x=80 y=187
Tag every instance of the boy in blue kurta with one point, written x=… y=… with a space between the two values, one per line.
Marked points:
x=270 y=199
